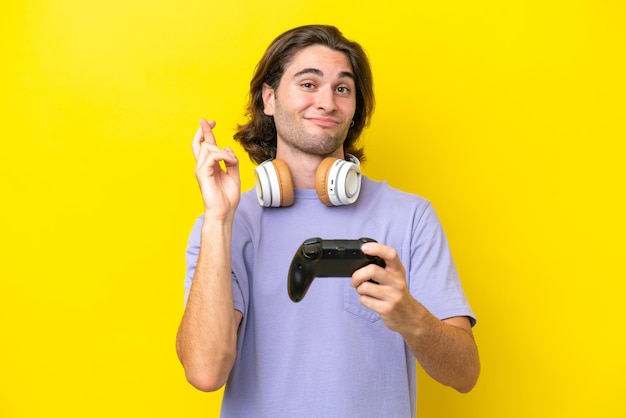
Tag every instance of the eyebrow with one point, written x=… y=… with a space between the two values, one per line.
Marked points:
x=319 y=73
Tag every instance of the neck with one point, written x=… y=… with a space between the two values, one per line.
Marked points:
x=303 y=171
x=302 y=166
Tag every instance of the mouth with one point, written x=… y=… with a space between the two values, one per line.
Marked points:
x=324 y=122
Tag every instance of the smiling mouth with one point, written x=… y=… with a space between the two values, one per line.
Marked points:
x=324 y=122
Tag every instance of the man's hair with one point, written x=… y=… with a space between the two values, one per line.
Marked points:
x=258 y=136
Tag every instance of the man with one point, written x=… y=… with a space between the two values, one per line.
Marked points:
x=348 y=349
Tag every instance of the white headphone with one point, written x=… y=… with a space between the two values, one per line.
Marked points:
x=337 y=182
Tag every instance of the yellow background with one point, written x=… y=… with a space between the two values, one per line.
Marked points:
x=509 y=116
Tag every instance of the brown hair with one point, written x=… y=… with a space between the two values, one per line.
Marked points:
x=258 y=136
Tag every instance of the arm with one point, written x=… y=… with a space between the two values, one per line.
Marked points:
x=207 y=336
x=445 y=349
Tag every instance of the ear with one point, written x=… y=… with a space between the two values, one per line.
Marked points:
x=268 y=99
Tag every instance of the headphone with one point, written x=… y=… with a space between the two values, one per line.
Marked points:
x=337 y=182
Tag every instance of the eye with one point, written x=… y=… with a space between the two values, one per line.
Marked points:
x=343 y=90
x=307 y=85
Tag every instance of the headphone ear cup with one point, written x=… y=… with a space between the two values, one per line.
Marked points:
x=337 y=181
x=321 y=180
x=284 y=182
x=273 y=184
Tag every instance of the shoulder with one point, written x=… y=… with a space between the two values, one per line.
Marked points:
x=397 y=209
x=381 y=193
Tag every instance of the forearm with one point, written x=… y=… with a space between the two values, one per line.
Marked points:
x=207 y=336
x=445 y=349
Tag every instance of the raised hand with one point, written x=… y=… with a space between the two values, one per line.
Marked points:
x=217 y=172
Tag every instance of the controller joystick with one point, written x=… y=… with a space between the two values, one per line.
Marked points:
x=326 y=258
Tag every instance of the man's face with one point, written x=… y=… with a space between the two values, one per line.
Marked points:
x=314 y=103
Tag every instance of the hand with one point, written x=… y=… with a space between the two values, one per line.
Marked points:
x=220 y=187
x=389 y=296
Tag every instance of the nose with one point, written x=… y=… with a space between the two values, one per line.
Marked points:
x=325 y=100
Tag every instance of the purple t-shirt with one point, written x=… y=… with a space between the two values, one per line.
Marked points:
x=328 y=356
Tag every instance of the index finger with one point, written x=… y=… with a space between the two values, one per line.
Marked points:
x=389 y=254
x=207 y=131
x=203 y=134
x=195 y=144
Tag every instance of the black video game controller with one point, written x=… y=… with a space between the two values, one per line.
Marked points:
x=326 y=258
